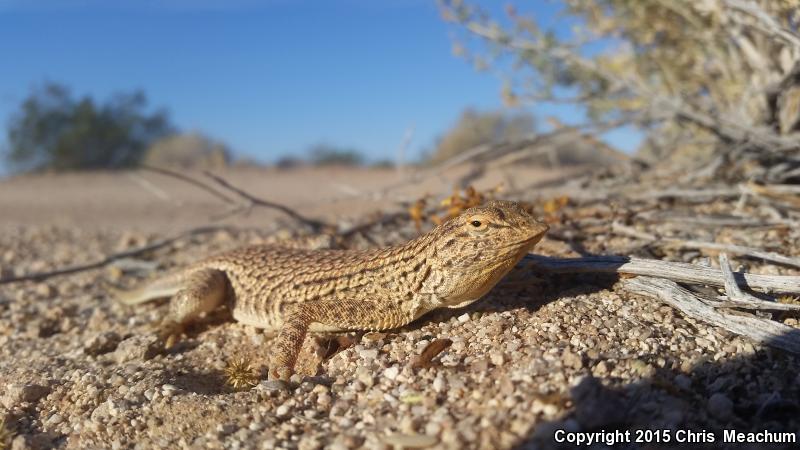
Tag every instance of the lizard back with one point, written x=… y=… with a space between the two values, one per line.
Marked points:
x=264 y=280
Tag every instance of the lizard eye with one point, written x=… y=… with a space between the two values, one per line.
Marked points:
x=477 y=224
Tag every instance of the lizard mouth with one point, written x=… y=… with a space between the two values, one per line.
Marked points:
x=523 y=244
x=533 y=239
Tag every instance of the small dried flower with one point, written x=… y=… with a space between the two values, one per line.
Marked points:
x=788 y=299
x=240 y=374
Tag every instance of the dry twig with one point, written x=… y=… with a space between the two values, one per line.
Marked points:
x=740 y=299
x=190 y=180
x=38 y=276
x=762 y=331
x=700 y=245
x=430 y=351
x=252 y=200
x=238 y=207
x=675 y=271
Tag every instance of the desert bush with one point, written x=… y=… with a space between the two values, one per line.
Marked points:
x=475 y=128
x=331 y=155
x=719 y=78
x=187 y=150
x=52 y=130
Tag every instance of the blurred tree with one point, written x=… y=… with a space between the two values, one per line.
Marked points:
x=54 y=131
x=383 y=164
x=289 y=162
x=475 y=128
x=187 y=150
x=330 y=155
x=698 y=76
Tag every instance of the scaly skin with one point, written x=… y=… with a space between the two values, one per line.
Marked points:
x=295 y=291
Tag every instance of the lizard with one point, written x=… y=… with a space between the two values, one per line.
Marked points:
x=295 y=291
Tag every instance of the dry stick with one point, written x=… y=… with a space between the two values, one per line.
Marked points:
x=249 y=198
x=740 y=299
x=316 y=225
x=687 y=194
x=699 y=245
x=675 y=271
x=710 y=221
x=251 y=201
x=149 y=187
x=763 y=331
x=493 y=151
x=765 y=22
x=777 y=189
x=38 y=276
x=190 y=180
x=384 y=219
x=778 y=193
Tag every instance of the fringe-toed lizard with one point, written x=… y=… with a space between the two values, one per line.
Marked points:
x=295 y=291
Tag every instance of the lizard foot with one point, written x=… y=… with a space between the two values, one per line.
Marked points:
x=169 y=332
x=280 y=373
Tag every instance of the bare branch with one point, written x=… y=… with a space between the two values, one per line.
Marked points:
x=190 y=180
x=675 y=271
x=700 y=245
x=740 y=299
x=238 y=207
x=763 y=331
x=709 y=221
x=765 y=22
x=314 y=224
x=38 y=276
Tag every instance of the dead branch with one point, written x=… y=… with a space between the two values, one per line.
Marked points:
x=39 y=276
x=740 y=299
x=765 y=22
x=675 y=271
x=709 y=221
x=785 y=194
x=190 y=180
x=314 y=224
x=250 y=201
x=384 y=219
x=699 y=195
x=237 y=207
x=700 y=245
x=763 y=331
x=149 y=187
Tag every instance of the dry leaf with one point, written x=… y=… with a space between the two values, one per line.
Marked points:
x=430 y=351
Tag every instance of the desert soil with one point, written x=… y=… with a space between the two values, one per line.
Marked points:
x=540 y=353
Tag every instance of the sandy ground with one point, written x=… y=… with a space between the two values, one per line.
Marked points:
x=538 y=355
x=148 y=201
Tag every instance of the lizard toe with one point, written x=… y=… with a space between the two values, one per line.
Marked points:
x=169 y=332
x=280 y=373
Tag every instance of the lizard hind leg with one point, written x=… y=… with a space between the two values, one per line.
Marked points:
x=202 y=291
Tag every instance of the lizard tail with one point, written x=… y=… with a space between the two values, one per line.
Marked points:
x=160 y=288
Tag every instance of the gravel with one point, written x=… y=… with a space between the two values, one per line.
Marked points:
x=568 y=352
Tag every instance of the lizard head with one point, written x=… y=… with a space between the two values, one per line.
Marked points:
x=479 y=246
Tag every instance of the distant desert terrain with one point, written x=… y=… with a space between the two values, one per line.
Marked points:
x=147 y=201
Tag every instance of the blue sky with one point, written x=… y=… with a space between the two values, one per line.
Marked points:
x=269 y=78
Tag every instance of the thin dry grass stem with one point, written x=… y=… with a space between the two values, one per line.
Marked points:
x=5 y=435
x=170 y=240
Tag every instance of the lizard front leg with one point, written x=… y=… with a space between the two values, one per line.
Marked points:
x=341 y=314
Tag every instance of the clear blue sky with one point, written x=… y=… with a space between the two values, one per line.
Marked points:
x=269 y=78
